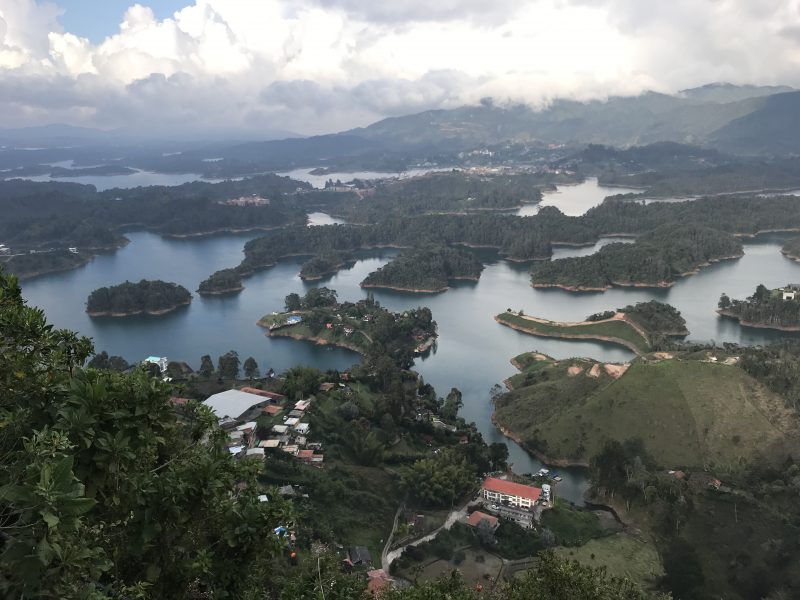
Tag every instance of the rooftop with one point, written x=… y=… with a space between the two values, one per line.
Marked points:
x=509 y=488
x=475 y=518
x=232 y=403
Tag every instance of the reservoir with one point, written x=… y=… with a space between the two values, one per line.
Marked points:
x=472 y=352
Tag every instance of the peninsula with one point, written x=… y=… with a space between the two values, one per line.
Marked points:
x=426 y=269
x=225 y=281
x=364 y=326
x=791 y=249
x=767 y=309
x=640 y=327
x=325 y=264
x=142 y=298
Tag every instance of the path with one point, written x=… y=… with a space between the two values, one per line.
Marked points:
x=454 y=516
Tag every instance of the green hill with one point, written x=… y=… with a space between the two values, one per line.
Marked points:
x=688 y=413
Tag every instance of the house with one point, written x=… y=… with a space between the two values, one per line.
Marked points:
x=481 y=520
x=302 y=404
x=377 y=581
x=254 y=453
x=281 y=429
x=790 y=291
x=359 y=555
x=291 y=449
x=302 y=428
x=235 y=404
x=291 y=422
x=272 y=409
x=326 y=387
x=305 y=455
x=161 y=361
x=295 y=414
x=271 y=443
x=179 y=401
x=502 y=491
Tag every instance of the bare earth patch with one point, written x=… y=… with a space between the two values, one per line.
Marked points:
x=616 y=371
x=574 y=370
x=594 y=371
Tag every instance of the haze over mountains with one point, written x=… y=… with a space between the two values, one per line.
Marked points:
x=743 y=120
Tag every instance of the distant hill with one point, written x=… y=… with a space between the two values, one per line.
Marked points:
x=772 y=128
x=727 y=92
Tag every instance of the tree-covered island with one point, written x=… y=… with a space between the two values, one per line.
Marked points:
x=767 y=309
x=327 y=263
x=428 y=268
x=364 y=326
x=657 y=259
x=791 y=249
x=145 y=297
x=225 y=281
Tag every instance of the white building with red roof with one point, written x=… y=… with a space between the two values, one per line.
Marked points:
x=502 y=491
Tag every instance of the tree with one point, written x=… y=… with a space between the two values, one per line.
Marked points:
x=498 y=456
x=228 y=365
x=439 y=481
x=452 y=404
x=251 y=368
x=103 y=494
x=684 y=573
x=206 y=366
x=108 y=363
x=301 y=382
x=292 y=302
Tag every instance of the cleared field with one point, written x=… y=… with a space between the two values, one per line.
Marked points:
x=622 y=555
x=617 y=331
x=688 y=413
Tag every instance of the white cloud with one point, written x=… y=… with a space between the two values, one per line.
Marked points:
x=320 y=65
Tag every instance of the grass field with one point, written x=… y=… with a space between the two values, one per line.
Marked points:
x=622 y=555
x=688 y=413
x=614 y=331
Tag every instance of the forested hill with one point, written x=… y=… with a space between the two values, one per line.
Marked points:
x=765 y=308
x=145 y=297
x=425 y=269
x=222 y=282
x=657 y=259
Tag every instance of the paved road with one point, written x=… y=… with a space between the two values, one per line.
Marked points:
x=455 y=515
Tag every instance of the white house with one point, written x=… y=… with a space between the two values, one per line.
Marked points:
x=234 y=403
x=161 y=361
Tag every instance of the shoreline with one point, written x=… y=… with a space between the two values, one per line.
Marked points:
x=562 y=463
x=579 y=336
x=183 y=236
x=402 y=289
x=152 y=313
x=663 y=284
x=319 y=341
x=729 y=315
x=224 y=292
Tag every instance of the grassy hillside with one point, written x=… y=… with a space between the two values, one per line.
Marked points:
x=618 y=331
x=688 y=413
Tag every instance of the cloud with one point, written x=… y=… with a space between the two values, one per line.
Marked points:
x=320 y=65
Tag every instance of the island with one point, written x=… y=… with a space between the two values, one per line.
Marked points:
x=657 y=259
x=364 y=327
x=689 y=408
x=225 y=281
x=327 y=263
x=766 y=309
x=142 y=298
x=426 y=269
x=641 y=327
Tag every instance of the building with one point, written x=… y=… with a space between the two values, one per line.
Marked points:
x=359 y=555
x=508 y=493
x=236 y=404
x=302 y=428
x=790 y=291
x=480 y=520
x=275 y=396
x=161 y=361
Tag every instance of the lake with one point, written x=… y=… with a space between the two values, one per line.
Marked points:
x=472 y=353
x=575 y=199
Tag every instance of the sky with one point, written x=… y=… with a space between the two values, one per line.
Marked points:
x=313 y=66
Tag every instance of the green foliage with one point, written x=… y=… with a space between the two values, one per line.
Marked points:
x=30 y=265
x=325 y=264
x=439 y=481
x=251 y=368
x=657 y=257
x=109 y=363
x=228 y=365
x=226 y=280
x=514 y=542
x=498 y=456
x=102 y=494
x=570 y=526
x=206 y=366
x=136 y=298
x=427 y=268
x=301 y=382
x=764 y=308
x=452 y=404
x=684 y=573
x=656 y=318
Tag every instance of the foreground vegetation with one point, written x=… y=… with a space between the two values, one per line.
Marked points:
x=145 y=297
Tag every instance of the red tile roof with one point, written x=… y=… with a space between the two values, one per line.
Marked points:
x=476 y=517
x=509 y=488
x=305 y=454
x=263 y=393
x=272 y=410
